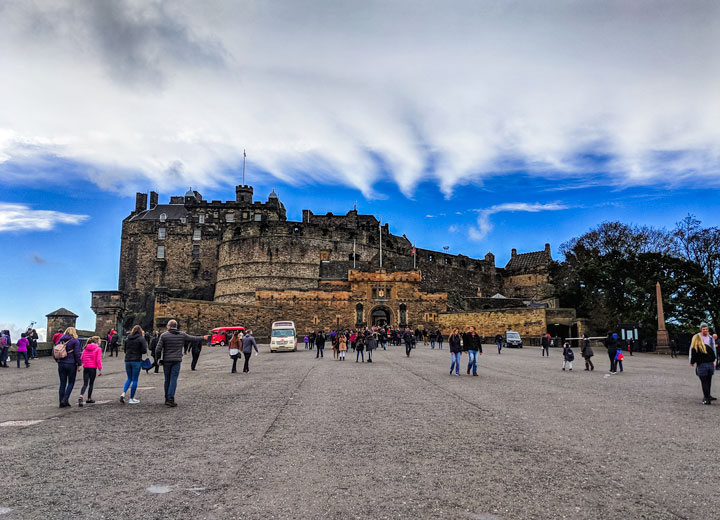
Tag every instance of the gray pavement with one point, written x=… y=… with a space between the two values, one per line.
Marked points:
x=399 y=438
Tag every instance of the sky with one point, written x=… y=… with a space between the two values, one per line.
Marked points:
x=478 y=125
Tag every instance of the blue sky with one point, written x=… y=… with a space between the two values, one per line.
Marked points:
x=481 y=125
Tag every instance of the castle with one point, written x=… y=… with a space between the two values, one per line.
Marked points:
x=241 y=262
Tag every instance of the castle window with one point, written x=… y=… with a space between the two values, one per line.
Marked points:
x=183 y=220
x=257 y=217
x=245 y=215
x=201 y=220
x=163 y=217
x=196 y=252
x=197 y=234
x=296 y=229
x=430 y=258
x=374 y=292
x=448 y=261
x=325 y=255
x=387 y=292
x=230 y=217
x=161 y=251
x=161 y=233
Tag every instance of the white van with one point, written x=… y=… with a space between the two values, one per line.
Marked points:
x=283 y=336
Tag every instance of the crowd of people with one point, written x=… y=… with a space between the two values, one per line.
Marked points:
x=364 y=340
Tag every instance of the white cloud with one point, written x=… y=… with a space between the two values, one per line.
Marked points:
x=484 y=225
x=17 y=330
x=19 y=217
x=169 y=94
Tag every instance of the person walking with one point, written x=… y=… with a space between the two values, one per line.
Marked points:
x=611 y=343
x=307 y=341
x=455 y=351
x=342 y=346
x=432 y=337
x=473 y=345
x=545 y=345
x=702 y=355
x=359 y=348
x=195 y=349
x=67 y=356
x=439 y=338
x=234 y=349
x=371 y=343
x=568 y=356
x=113 y=342
x=248 y=344
x=91 y=360
x=170 y=353
x=4 y=348
x=408 y=339
x=22 y=350
x=135 y=347
x=499 y=342
x=587 y=353
x=153 y=347
x=319 y=344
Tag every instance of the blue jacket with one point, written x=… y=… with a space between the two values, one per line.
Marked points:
x=72 y=347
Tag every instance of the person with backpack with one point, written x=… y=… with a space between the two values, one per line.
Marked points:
x=91 y=359
x=135 y=347
x=568 y=356
x=68 y=358
x=113 y=342
x=587 y=352
x=22 y=350
x=359 y=348
x=4 y=348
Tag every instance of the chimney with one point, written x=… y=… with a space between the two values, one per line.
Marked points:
x=513 y=253
x=153 y=199
x=547 y=248
x=140 y=202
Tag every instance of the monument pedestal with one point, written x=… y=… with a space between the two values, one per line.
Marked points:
x=663 y=341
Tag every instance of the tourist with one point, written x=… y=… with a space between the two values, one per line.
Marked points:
x=113 y=342
x=472 y=343
x=439 y=339
x=611 y=343
x=135 y=347
x=91 y=360
x=342 y=346
x=432 y=337
x=169 y=353
x=383 y=339
x=370 y=345
x=307 y=340
x=22 y=350
x=568 y=356
x=702 y=355
x=587 y=352
x=408 y=339
x=4 y=348
x=499 y=342
x=67 y=356
x=455 y=351
x=248 y=344
x=195 y=349
x=424 y=335
x=32 y=337
x=359 y=348
x=153 y=347
x=319 y=344
x=234 y=348
x=674 y=349
x=619 y=356
x=335 y=346
x=56 y=337
x=545 y=345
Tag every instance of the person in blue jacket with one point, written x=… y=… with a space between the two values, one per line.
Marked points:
x=68 y=366
x=568 y=356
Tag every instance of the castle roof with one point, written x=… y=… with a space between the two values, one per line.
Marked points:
x=172 y=211
x=529 y=261
x=62 y=311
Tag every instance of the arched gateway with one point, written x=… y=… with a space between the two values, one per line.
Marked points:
x=381 y=316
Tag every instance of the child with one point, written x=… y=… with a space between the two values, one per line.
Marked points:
x=619 y=359
x=568 y=356
x=307 y=341
x=91 y=360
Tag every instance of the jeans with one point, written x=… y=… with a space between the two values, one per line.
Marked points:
x=360 y=354
x=23 y=354
x=67 y=373
x=195 y=357
x=472 y=361
x=4 y=355
x=455 y=361
x=247 y=355
x=88 y=381
x=440 y=344
x=432 y=343
x=172 y=371
x=613 y=365
x=499 y=346
x=319 y=352
x=408 y=348
x=132 y=369
x=33 y=352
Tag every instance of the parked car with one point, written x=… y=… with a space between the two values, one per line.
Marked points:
x=513 y=339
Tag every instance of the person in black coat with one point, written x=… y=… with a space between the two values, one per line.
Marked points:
x=153 y=346
x=611 y=343
x=408 y=339
x=135 y=347
x=319 y=344
x=545 y=345
x=455 y=351
x=195 y=347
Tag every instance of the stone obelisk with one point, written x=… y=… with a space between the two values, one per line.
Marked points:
x=663 y=339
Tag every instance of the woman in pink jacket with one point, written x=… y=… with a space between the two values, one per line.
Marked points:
x=92 y=364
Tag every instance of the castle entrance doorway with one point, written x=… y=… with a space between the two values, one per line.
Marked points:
x=380 y=316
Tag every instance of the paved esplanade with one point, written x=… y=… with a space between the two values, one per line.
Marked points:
x=398 y=438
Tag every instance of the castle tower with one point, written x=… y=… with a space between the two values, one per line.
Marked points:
x=244 y=194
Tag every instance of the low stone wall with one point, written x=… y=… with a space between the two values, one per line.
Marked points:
x=488 y=323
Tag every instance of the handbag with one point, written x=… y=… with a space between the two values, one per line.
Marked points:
x=146 y=364
x=234 y=352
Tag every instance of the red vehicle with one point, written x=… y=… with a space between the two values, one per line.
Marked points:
x=221 y=335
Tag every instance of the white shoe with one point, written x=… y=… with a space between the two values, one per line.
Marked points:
x=134 y=401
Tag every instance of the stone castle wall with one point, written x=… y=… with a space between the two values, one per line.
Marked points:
x=526 y=321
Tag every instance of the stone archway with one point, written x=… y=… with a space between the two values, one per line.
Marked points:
x=380 y=316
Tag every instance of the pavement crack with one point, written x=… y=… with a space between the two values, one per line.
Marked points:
x=271 y=428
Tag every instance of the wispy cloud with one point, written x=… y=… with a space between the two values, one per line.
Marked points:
x=38 y=259
x=19 y=217
x=169 y=94
x=484 y=225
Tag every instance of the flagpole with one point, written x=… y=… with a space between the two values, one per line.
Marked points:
x=380 y=229
x=244 y=155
